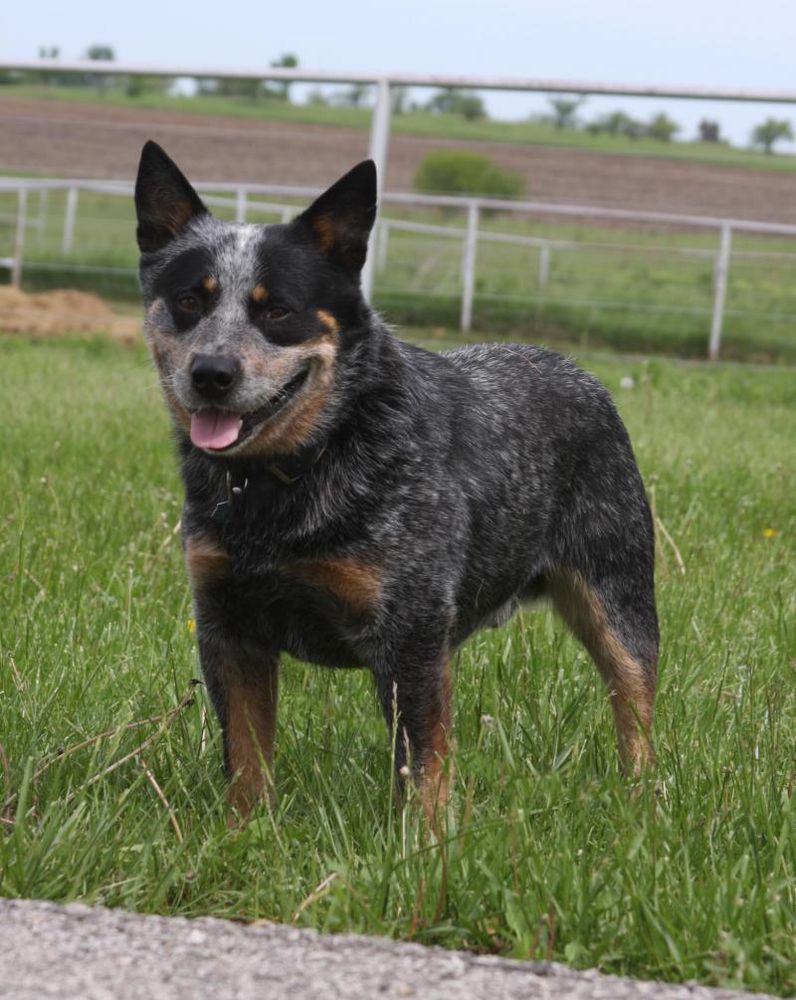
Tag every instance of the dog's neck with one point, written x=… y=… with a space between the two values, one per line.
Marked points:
x=248 y=484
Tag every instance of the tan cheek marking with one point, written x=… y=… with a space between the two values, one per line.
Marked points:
x=358 y=585
x=162 y=349
x=181 y=415
x=288 y=431
x=207 y=562
x=259 y=293
x=209 y=283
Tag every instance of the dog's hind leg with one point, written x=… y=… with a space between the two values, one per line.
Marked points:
x=615 y=620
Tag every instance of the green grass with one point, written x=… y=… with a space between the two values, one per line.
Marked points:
x=420 y=123
x=547 y=855
x=633 y=291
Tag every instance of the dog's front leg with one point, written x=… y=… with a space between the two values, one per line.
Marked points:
x=244 y=693
x=415 y=695
x=242 y=678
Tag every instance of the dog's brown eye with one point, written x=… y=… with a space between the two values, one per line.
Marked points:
x=188 y=303
x=276 y=312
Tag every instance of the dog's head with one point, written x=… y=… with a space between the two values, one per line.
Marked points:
x=246 y=323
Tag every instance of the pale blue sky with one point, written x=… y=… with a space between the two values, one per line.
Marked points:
x=710 y=42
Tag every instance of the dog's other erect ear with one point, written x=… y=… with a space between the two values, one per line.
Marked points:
x=341 y=219
x=164 y=200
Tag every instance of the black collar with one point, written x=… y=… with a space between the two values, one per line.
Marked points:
x=245 y=484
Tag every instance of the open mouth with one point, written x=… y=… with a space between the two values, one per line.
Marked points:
x=215 y=429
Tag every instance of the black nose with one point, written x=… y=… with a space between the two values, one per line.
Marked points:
x=214 y=374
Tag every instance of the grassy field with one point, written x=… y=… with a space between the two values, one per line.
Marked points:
x=111 y=793
x=422 y=123
x=631 y=290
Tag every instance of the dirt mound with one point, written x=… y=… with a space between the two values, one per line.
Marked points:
x=61 y=312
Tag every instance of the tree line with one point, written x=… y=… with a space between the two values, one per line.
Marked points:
x=563 y=111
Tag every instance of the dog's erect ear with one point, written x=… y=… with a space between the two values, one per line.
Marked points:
x=341 y=219
x=164 y=200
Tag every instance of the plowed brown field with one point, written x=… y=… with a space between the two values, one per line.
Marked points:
x=62 y=139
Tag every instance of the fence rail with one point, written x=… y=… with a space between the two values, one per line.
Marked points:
x=474 y=237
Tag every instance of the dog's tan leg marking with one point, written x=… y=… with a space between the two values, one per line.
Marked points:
x=435 y=764
x=357 y=585
x=631 y=688
x=250 y=736
x=207 y=562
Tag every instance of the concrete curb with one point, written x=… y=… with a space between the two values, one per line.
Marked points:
x=76 y=951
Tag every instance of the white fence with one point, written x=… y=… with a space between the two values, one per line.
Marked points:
x=384 y=84
x=468 y=243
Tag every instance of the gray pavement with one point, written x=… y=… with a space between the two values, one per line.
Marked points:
x=75 y=951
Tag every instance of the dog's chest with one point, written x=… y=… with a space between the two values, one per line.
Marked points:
x=317 y=607
x=320 y=609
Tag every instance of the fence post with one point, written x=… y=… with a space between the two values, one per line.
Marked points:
x=240 y=205
x=69 y=220
x=720 y=290
x=383 y=237
x=287 y=214
x=544 y=265
x=379 y=139
x=468 y=266
x=19 y=237
x=41 y=222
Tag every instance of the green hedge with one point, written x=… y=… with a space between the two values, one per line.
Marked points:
x=456 y=171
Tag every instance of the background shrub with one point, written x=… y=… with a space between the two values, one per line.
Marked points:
x=456 y=171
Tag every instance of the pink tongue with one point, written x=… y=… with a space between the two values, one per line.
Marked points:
x=214 y=428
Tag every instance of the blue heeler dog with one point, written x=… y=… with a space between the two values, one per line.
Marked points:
x=359 y=502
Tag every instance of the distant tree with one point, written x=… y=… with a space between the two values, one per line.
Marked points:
x=252 y=89
x=100 y=53
x=317 y=97
x=470 y=107
x=617 y=123
x=457 y=102
x=51 y=52
x=662 y=127
x=771 y=131
x=564 y=111
x=138 y=86
x=399 y=98
x=709 y=130
x=354 y=96
x=280 y=89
